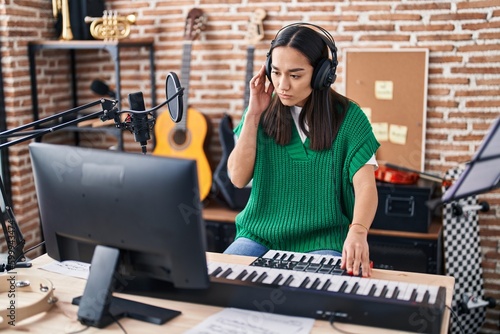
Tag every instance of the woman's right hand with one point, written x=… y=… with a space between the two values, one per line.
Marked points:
x=260 y=93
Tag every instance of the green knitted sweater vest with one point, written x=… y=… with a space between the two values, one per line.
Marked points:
x=302 y=200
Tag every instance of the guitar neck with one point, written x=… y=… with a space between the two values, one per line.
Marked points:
x=185 y=72
x=249 y=74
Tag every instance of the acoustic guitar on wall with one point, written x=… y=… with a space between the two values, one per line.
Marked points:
x=186 y=139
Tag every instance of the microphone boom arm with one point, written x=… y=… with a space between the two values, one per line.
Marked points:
x=13 y=235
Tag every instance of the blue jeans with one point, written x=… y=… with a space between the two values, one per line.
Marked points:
x=245 y=246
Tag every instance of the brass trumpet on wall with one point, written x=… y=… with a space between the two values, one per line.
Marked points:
x=110 y=26
x=62 y=7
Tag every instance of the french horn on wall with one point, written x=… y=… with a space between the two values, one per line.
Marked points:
x=110 y=26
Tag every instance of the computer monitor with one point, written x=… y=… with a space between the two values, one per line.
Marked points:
x=482 y=173
x=141 y=213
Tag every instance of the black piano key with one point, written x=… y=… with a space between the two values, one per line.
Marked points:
x=283 y=257
x=251 y=276
x=278 y=279
x=305 y=282
x=395 y=293
x=326 y=284
x=372 y=291
x=343 y=286
x=261 y=277
x=276 y=256
x=288 y=280
x=226 y=272
x=303 y=258
x=355 y=288
x=426 y=297
x=384 y=291
x=242 y=275
x=413 y=296
x=216 y=272
x=315 y=284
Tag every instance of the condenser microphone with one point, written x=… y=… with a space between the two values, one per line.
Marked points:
x=139 y=121
x=101 y=88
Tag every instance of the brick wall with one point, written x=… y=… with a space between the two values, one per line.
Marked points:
x=463 y=38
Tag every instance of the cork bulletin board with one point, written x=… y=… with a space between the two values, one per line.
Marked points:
x=391 y=88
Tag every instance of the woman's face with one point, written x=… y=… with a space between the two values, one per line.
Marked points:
x=291 y=75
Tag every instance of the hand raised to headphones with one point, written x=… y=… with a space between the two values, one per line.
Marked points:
x=260 y=93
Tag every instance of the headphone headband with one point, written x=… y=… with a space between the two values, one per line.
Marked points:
x=324 y=74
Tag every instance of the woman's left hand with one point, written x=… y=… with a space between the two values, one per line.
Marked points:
x=355 y=254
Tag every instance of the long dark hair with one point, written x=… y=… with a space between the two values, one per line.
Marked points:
x=324 y=109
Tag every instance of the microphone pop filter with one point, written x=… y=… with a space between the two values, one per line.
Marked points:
x=172 y=88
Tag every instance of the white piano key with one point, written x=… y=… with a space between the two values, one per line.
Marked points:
x=298 y=278
x=337 y=282
x=390 y=288
x=379 y=285
x=237 y=270
x=271 y=275
x=406 y=293
x=365 y=286
x=433 y=292
x=352 y=282
x=421 y=289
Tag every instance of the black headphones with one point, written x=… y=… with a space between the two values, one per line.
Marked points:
x=324 y=74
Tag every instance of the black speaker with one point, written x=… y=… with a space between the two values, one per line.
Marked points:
x=324 y=74
x=78 y=9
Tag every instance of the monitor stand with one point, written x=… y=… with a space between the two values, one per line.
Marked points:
x=98 y=308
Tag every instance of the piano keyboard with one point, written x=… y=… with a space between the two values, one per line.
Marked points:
x=286 y=286
x=383 y=289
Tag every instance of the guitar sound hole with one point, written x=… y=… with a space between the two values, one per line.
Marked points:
x=180 y=138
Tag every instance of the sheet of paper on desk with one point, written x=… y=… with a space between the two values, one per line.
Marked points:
x=69 y=268
x=237 y=321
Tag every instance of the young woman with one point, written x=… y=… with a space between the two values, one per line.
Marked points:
x=309 y=153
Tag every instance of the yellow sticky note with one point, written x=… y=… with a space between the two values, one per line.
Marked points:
x=384 y=90
x=381 y=131
x=397 y=134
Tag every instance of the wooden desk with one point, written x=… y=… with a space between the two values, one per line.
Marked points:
x=62 y=317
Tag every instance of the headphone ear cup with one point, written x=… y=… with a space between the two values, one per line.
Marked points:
x=268 y=66
x=323 y=75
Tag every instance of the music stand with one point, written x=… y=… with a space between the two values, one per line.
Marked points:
x=482 y=173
